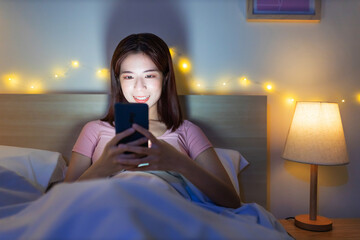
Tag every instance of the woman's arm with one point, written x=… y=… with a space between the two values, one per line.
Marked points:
x=209 y=175
x=80 y=167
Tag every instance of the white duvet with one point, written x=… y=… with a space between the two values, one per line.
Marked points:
x=126 y=207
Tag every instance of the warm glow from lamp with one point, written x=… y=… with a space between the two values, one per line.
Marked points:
x=291 y=100
x=184 y=65
x=358 y=97
x=316 y=137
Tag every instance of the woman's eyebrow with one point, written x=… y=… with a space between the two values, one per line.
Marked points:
x=149 y=70
x=125 y=72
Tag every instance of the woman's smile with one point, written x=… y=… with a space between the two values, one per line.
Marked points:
x=141 y=99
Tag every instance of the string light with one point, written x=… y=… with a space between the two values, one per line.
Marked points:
x=184 y=65
x=197 y=85
x=35 y=87
x=244 y=81
x=268 y=87
x=75 y=64
x=12 y=81
x=103 y=73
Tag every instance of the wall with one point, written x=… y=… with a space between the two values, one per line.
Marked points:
x=317 y=61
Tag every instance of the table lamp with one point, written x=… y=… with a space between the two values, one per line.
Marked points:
x=315 y=137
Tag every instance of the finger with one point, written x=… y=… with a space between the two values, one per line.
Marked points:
x=143 y=161
x=128 y=162
x=138 y=142
x=127 y=156
x=138 y=149
x=144 y=132
x=114 y=141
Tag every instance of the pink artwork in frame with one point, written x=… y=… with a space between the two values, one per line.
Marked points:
x=284 y=10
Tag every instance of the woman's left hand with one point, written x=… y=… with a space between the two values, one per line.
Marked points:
x=160 y=156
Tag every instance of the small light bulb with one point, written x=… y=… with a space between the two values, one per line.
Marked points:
x=103 y=73
x=343 y=100
x=224 y=83
x=269 y=87
x=75 y=64
x=184 y=65
x=244 y=81
x=56 y=76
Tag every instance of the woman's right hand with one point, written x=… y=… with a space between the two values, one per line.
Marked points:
x=106 y=165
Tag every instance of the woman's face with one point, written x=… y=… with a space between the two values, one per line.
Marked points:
x=141 y=81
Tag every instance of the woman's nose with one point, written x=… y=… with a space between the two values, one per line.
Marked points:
x=140 y=83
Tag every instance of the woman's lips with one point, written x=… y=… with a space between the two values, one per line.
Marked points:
x=141 y=99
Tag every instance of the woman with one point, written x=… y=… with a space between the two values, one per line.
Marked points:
x=142 y=71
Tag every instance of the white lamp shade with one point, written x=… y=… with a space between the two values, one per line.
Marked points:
x=316 y=135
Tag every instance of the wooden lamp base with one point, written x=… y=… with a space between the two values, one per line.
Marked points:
x=321 y=224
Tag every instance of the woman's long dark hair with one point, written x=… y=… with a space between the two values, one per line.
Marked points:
x=168 y=106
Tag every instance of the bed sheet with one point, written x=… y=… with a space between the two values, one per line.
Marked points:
x=131 y=208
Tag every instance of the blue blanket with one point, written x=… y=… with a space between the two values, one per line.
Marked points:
x=118 y=209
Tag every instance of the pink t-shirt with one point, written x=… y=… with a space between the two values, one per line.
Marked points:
x=188 y=139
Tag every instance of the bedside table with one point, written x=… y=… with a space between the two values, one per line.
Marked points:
x=343 y=228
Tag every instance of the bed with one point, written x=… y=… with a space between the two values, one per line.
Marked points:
x=37 y=133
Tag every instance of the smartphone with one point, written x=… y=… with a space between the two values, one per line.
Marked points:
x=128 y=113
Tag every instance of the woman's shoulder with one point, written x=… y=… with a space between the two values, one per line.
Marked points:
x=187 y=125
x=96 y=125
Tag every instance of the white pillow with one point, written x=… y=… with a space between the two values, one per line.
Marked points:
x=233 y=163
x=40 y=167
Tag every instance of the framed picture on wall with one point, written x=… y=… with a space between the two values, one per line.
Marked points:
x=283 y=10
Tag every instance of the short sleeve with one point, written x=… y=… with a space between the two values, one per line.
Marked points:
x=87 y=140
x=196 y=140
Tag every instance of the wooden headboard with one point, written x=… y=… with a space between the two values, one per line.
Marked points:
x=54 y=121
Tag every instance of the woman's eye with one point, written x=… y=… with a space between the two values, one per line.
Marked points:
x=150 y=76
x=128 y=77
